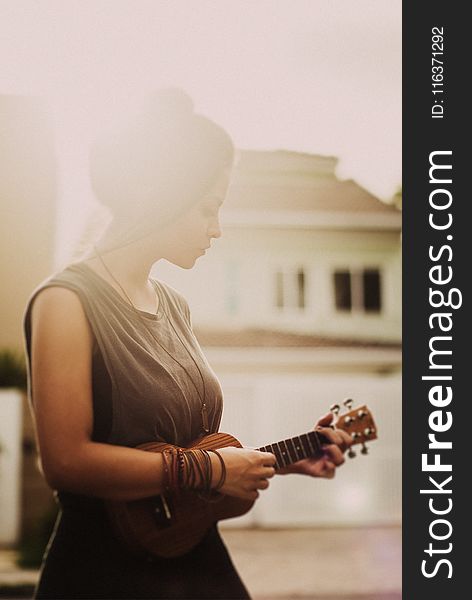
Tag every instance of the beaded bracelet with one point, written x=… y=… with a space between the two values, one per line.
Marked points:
x=191 y=470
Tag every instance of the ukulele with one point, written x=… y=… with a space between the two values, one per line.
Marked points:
x=171 y=524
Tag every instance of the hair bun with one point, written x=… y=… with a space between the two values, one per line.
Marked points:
x=157 y=163
x=170 y=100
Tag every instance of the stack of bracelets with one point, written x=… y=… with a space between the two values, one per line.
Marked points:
x=191 y=470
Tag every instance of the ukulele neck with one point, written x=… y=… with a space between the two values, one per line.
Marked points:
x=306 y=445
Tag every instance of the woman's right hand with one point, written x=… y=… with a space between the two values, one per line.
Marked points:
x=247 y=471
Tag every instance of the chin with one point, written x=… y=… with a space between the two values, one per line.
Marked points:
x=185 y=263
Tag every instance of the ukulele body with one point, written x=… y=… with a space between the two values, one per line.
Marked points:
x=172 y=524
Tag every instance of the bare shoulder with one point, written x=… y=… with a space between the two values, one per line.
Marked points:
x=59 y=309
x=61 y=356
x=61 y=369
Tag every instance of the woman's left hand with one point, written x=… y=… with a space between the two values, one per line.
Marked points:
x=332 y=457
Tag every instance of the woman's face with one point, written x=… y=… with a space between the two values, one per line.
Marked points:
x=190 y=236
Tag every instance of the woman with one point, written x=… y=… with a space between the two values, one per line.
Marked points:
x=113 y=363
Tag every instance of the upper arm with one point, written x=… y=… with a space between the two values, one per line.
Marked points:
x=61 y=376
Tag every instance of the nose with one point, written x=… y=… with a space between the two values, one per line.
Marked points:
x=214 y=231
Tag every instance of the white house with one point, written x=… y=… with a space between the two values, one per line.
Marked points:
x=298 y=306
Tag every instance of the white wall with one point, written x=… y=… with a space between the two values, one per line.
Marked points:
x=10 y=465
x=233 y=286
x=261 y=409
x=27 y=195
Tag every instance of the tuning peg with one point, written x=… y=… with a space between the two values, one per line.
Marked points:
x=334 y=408
x=348 y=403
x=355 y=435
x=361 y=413
x=369 y=431
x=364 y=449
x=351 y=453
x=348 y=420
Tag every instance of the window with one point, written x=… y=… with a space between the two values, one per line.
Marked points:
x=371 y=290
x=357 y=290
x=290 y=288
x=342 y=290
x=301 y=288
x=279 y=289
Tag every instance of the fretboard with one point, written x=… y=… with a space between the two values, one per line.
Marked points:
x=290 y=450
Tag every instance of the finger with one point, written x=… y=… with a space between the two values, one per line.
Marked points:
x=263 y=473
x=252 y=495
x=337 y=436
x=262 y=484
x=335 y=454
x=343 y=440
x=267 y=472
x=333 y=435
x=267 y=458
x=325 y=420
x=329 y=470
x=347 y=440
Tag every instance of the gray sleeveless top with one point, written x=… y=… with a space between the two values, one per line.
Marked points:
x=156 y=389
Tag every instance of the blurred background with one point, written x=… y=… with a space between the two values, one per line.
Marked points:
x=297 y=306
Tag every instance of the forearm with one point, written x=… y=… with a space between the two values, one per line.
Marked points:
x=114 y=472
x=107 y=471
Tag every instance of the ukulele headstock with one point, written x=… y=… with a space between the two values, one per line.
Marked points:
x=358 y=423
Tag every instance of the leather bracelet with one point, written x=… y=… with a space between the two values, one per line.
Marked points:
x=222 y=478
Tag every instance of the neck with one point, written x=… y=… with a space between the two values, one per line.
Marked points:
x=130 y=265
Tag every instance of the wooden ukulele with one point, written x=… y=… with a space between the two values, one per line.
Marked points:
x=170 y=525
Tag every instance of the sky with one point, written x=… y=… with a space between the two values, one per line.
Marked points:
x=318 y=76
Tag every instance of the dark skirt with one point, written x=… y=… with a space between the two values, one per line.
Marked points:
x=85 y=560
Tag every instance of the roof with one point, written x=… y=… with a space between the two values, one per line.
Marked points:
x=253 y=338
x=298 y=182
